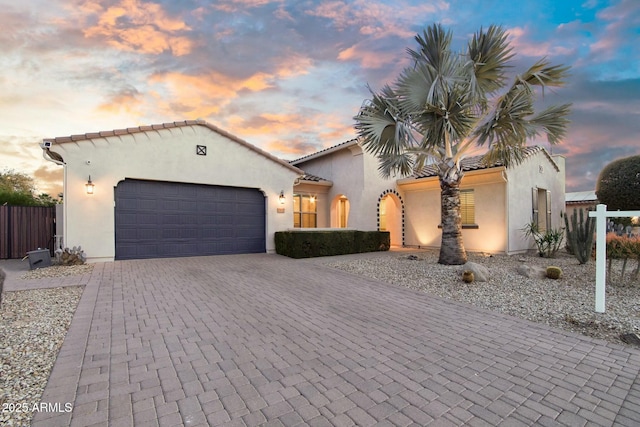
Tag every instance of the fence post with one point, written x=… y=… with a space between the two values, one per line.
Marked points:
x=601 y=255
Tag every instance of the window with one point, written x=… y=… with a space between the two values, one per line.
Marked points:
x=383 y=214
x=342 y=212
x=467 y=207
x=541 y=215
x=305 y=214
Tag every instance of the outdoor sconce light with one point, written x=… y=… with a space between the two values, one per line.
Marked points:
x=89 y=186
x=281 y=198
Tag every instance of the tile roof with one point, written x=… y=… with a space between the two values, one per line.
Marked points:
x=476 y=163
x=325 y=151
x=310 y=177
x=49 y=142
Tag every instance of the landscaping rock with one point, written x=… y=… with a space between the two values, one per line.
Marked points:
x=480 y=272
x=532 y=271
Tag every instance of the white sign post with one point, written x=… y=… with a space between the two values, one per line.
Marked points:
x=601 y=214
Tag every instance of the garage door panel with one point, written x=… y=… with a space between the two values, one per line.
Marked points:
x=248 y=245
x=245 y=232
x=163 y=219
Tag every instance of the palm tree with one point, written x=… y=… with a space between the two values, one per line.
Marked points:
x=448 y=102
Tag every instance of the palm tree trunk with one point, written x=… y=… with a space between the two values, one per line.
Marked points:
x=451 y=249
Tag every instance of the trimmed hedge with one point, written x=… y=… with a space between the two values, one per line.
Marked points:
x=309 y=244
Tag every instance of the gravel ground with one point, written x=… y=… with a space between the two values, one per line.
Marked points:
x=33 y=325
x=567 y=303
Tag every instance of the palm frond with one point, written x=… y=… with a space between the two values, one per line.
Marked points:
x=553 y=120
x=506 y=154
x=417 y=87
x=423 y=157
x=489 y=53
x=434 y=46
x=543 y=74
x=402 y=164
x=508 y=123
x=373 y=124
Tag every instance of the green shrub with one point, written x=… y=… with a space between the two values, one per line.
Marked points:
x=308 y=244
x=554 y=272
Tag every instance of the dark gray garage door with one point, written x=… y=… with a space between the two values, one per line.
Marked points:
x=168 y=219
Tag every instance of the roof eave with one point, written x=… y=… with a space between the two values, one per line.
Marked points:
x=48 y=142
x=325 y=152
x=321 y=183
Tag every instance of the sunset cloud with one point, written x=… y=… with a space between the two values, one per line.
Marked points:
x=377 y=19
x=138 y=26
x=289 y=76
x=520 y=39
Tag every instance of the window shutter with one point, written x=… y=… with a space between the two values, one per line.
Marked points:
x=534 y=201
x=548 y=210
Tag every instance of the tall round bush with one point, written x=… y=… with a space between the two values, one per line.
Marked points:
x=618 y=185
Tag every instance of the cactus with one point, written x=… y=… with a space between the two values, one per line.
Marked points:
x=467 y=276
x=554 y=272
x=580 y=235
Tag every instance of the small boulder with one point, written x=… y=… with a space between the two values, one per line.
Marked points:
x=480 y=272
x=532 y=271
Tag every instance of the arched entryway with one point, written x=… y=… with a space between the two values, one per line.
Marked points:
x=340 y=211
x=391 y=216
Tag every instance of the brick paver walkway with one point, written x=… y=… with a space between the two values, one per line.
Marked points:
x=266 y=340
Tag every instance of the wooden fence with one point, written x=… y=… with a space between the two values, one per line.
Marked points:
x=26 y=228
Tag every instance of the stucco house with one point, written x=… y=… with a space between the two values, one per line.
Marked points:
x=190 y=188
x=343 y=188
x=173 y=189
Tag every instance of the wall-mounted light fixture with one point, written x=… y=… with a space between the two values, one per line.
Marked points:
x=281 y=198
x=89 y=185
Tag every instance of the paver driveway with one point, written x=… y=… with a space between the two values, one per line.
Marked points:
x=263 y=339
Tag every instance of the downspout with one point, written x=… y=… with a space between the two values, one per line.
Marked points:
x=506 y=208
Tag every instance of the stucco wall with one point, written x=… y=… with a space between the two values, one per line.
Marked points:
x=423 y=212
x=162 y=155
x=536 y=171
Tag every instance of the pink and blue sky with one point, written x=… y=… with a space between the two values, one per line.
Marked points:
x=288 y=76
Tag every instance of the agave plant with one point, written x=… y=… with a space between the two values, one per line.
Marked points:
x=448 y=102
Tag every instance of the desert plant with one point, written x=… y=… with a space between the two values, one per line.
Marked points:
x=554 y=272
x=547 y=242
x=467 y=276
x=580 y=235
